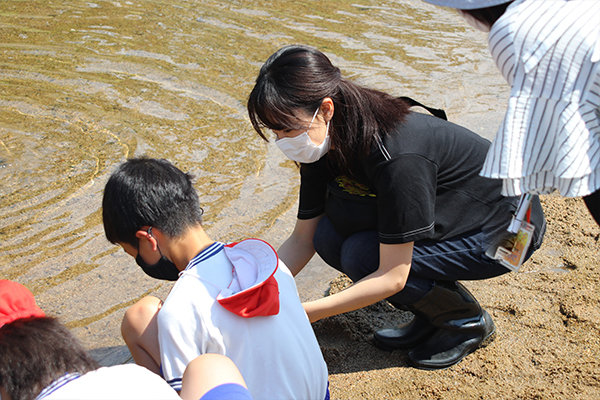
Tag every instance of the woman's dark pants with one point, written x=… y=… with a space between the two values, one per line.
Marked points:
x=459 y=258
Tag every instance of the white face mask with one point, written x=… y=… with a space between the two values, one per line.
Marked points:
x=301 y=149
x=474 y=22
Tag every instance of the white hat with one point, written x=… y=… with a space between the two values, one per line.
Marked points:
x=467 y=4
x=253 y=290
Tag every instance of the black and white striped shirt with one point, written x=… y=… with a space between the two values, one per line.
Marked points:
x=549 y=52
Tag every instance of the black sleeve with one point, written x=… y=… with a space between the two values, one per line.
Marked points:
x=313 y=188
x=406 y=194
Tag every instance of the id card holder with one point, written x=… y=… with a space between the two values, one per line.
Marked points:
x=512 y=257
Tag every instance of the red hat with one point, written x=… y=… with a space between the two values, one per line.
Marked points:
x=16 y=301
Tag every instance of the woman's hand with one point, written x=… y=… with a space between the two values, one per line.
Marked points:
x=388 y=280
x=298 y=249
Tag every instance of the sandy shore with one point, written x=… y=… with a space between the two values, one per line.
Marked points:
x=547 y=317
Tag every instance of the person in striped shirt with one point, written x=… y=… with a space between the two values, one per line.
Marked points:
x=549 y=52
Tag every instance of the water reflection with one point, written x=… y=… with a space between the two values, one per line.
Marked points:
x=86 y=84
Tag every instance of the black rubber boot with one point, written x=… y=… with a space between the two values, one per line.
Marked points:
x=406 y=336
x=462 y=326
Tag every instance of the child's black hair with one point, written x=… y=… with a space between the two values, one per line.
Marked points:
x=34 y=352
x=148 y=192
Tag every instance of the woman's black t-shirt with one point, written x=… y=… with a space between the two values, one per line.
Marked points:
x=425 y=178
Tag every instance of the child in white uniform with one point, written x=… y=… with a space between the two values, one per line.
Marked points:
x=238 y=299
x=41 y=359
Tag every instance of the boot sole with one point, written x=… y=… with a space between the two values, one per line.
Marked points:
x=489 y=338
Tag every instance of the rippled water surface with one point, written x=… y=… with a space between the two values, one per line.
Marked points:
x=86 y=84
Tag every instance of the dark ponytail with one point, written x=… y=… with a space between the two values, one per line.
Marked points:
x=365 y=114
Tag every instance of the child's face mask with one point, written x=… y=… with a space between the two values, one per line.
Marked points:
x=301 y=148
x=163 y=269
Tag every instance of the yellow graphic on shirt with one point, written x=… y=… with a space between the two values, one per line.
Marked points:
x=353 y=187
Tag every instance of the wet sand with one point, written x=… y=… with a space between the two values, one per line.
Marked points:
x=99 y=107
x=547 y=317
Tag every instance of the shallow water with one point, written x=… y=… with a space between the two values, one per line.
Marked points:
x=86 y=84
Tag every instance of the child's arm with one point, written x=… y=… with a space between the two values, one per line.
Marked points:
x=298 y=249
x=208 y=371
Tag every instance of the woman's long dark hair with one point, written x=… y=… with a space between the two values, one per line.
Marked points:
x=34 y=352
x=299 y=77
